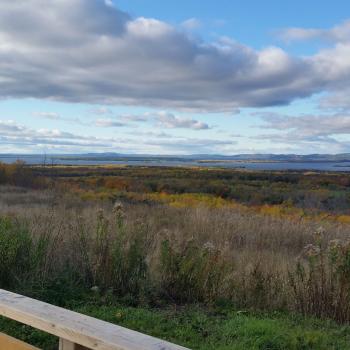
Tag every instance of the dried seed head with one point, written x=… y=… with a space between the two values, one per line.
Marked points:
x=311 y=251
x=100 y=213
x=209 y=246
x=319 y=233
x=118 y=207
x=334 y=244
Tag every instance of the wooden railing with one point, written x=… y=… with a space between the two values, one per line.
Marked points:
x=75 y=331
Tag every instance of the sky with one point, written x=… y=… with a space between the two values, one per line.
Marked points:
x=174 y=77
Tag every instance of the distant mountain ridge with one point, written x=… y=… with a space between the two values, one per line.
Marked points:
x=110 y=156
x=244 y=157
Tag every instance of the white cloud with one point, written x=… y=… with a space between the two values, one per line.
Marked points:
x=108 y=123
x=300 y=34
x=169 y=120
x=101 y=111
x=17 y=136
x=307 y=133
x=339 y=100
x=109 y=3
x=191 y=24
x=165 y=119
x=192 y=145
x=135 y=117
x=86 y=51
x=47 y=115
x=310 y=126
x=339 y=33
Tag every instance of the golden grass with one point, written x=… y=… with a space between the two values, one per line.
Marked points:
x=179 y=254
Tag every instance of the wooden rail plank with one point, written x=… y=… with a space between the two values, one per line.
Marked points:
x=77 y=328
x=9 y=343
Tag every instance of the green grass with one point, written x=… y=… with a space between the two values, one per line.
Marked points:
x=217 y=329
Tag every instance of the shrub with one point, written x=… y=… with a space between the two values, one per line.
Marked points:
x=193 y=273
x=129 y=258
x=15 y=252
x=321 y=280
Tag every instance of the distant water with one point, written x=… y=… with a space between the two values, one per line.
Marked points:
x=56 y=160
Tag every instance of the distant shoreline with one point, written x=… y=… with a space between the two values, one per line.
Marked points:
x=255 y=163
x=270 y=161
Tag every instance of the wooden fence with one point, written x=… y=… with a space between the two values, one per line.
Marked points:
x=75 y=331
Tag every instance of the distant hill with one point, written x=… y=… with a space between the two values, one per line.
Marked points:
x=243 y=157
x=200 y=158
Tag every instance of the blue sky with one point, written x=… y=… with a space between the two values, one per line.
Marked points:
x=184 y=77
x=251 y=22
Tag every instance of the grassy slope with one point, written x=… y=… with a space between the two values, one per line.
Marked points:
x=217 y=329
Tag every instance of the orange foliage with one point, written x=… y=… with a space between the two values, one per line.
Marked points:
x=116 y=184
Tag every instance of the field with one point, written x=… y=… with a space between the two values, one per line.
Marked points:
x=211 y=259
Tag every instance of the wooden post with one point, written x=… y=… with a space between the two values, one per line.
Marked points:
x=68 y=345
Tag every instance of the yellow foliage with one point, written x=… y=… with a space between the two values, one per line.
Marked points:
x=344 y=219
x=271 y=210
x=193 y=200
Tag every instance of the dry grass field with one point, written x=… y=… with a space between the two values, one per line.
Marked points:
x=158 y=254
x=177 y=257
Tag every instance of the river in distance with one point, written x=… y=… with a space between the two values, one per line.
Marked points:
x=174 y=161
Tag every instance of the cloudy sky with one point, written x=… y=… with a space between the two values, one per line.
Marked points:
x=174 y=77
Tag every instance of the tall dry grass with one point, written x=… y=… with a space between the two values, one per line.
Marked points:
x=57 y=247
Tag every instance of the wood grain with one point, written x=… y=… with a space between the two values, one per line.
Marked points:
x=9 y=343
x=77 y=328
x=68 y=345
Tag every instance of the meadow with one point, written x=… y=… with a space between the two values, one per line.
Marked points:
x=211 y=259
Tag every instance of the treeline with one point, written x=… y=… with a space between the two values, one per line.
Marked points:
x=18 y=174
x=313 y=191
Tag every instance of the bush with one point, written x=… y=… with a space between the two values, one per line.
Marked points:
x=192 y=273
x=16 y=259
x=321 y=280
x=18 y=174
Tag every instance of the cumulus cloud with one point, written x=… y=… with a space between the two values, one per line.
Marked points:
x=92 y=52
